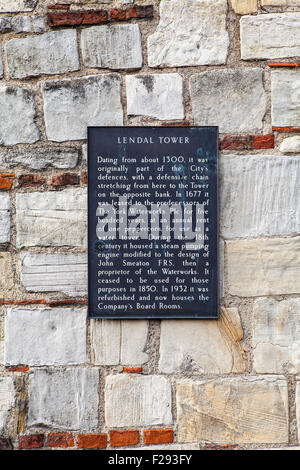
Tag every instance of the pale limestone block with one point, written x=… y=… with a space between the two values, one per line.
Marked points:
x=136 y=400
x=270 y=36
x=17 y=116
x=263 y=266
x=40 y=158
x=190 y=32
x=242 y=7
x=6 y=275
x=48 y=53
x=71 y=105
x=7 y=399
x=39 y=25
x=45 y=336
x=290 y=145
x=298 y=408
x=233 y=410
x=15 y=24
x=233 y=99
x=205 y=346
x=64 y=398
x=112 y=46
x=158 y=96
x=52 y=218
x=133 y=342
x=279 y=3
x=259 y=195
x=51 y=272
x=16 y=6
x=276 y=336
x=1 y=64
x=285 y=95
x=4 y=218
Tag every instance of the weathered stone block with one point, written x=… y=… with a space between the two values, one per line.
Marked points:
x=6 y=274
x=49 y=53
x=242 y=7
x=7 y=399
x=113 y=47
x=263 y=266
x=137 y=400
x=276 y=338
x=15 y=24
x=158 y=96
x=189 y=33
x=51 y=272
x=290 y=145
x=206 y=346
x=64 y=398
x=270 y=36
x=298 y=408
x=4 y=218
x=1 y=64
x=15 y=6
x=73 y=104
x=248 y=409
x=238 y=96
x=119 y=342
x=39 y=25
x=277 y=3
x=17 y=116
x=45 y=336
x=265 y=198
x=285 y=94
x=51 y=218
x=40 y=158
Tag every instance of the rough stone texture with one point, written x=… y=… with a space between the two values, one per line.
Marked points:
x=238 y=93
x=265 y=199
x=72 y=105
x=298 y=408
x=284 y=3
x=206 y=346
x=114 y=46
x=15 y=24
x=6 y=274
x=39 y=25
x=137 y=400
x=52 y=218
x=40 y=158
x=290 y=145
x=17 y=116
x=158 y=96
x=285 y=93
x=45 y=336
x=12 y=6
x=189 y=33
x=276 y=336
x=49 y=53
x=169 y=447
x=64 y=398
x=243 y=7
x=248 y=409
x=7 y=399
x=61 y=272
x=84 y=155
x=119 y=342
x=263 y=266
x=1 y=64
x=4 y=218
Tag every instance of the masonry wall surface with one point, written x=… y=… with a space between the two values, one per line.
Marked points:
x=69 y=382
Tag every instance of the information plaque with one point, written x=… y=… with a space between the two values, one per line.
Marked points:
x=152 y=222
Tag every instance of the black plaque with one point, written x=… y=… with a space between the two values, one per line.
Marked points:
x=152 y=220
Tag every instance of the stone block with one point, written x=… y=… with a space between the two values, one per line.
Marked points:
x=71 y=105
x=242 y=7
x=290 y=145
x=64 y=398
x=40 y=158
x=189 y=33
x=233 y=99
x=233 y=410
x=285 y=94
x=1 y=64
x=132 y=400
x=113 y=47
x=158 y=96
x=52 y=218
x=45 y=336
x=7 y=399
x=4 y=218
x=6 y=274
x=279 y=3
x=16 y=6
x=15 y=24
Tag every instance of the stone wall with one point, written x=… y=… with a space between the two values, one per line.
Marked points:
x=69 y=382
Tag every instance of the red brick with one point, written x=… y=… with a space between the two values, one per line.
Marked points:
x=59 y=6
x=22 y=302
x=84 y=178
x=77 y=18
x=123 y=438
x=283 y=64
x=264 y=141
x=138 y=11
x=33 y=441
x=92 y=441
x=286 y=129
x=176 y=124
x=158 y=436
x=6 y=180
x=60 y=439
x=31 y=180
x=18 y=369
x=133 y=370
x=57 y=303
x=64 y=179
x=236 y=142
